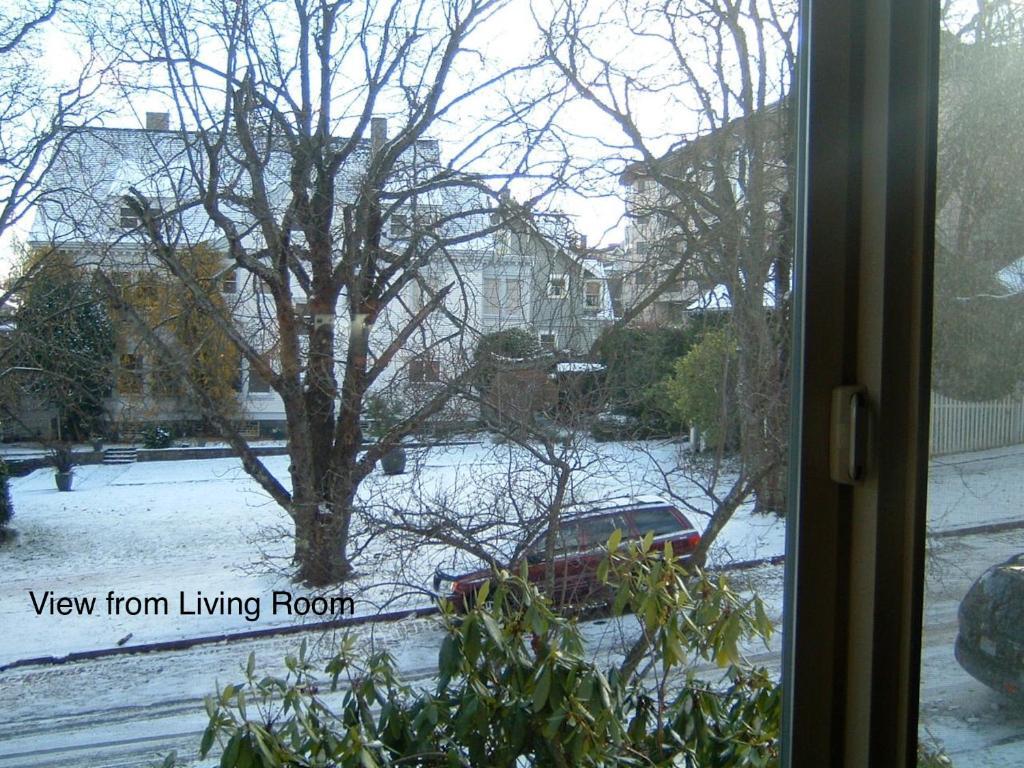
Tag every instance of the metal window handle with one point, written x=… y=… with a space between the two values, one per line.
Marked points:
x=849 y=433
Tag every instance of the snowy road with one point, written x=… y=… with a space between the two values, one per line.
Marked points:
x=74 y=714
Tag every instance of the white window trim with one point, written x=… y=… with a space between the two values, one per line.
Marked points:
x=553 y=280
x=554 y=339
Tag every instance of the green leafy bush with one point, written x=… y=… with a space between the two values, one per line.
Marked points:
x=156 y=437
x=702 y=388
x=515 y=687
x=495 y=350
x=637 y=359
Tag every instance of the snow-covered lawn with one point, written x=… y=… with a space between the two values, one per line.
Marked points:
x=173 y=529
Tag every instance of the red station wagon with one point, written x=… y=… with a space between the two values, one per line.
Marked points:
x=579 y=549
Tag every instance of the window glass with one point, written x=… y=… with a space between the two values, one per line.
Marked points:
x=557 y=286
x=599 y=529
x=972 y=659
x=129 y=375
x=656 y=521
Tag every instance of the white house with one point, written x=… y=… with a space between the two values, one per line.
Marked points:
x=92 y=212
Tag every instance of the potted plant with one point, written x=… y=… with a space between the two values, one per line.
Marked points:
x=63 y=463
x=382 y=414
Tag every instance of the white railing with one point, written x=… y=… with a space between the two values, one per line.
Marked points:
x=957 y=426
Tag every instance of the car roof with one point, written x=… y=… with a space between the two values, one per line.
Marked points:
x=621 y=503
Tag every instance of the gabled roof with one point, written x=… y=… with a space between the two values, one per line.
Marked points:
x=684 y=151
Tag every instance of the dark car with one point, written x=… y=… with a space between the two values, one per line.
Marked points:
x=990 y=645
x=579 y=549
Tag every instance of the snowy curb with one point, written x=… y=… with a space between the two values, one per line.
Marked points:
x=227 y=637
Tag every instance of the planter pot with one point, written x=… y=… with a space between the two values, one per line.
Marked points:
x=63 y=481
x=393 y=462
x=97 y=445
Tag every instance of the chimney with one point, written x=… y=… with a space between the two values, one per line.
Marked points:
x=378 y=132
x=158 y=121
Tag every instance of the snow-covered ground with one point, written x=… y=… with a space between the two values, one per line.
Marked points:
x=188 y=530
x=163 y=529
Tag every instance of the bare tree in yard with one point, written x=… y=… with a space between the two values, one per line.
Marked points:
x=712 y=206
x=332 y=218
x=35 y=105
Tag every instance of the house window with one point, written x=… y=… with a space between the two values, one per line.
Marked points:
x=557 y=286
x=229 y=281
x=129 y=218
x=492 y=301
x=592 y=294
x=146 y=292
x=129 y=375
x=503 y=297
x=512 y=301
x=424 y=369
x=303 y=319
x=399 y=225
x=548 y=341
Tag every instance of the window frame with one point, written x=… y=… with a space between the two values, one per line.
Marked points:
x=555 y=280
x=866 y=94
x=554 y=340
x=424 y=369
x=134 y=373
x=128 y=220
x=229 y=281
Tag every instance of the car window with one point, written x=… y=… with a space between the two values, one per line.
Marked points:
x=582 y=534
x=569 y=538
x=657 y=521
x=598 y=530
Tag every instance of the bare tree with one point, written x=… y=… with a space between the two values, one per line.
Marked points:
x=304 y=159
x=35 y=108
x=709 y=207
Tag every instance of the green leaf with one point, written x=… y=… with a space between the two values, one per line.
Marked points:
x=366 y=758
x=448 y=660
x=471 y=641
x=540 y=691
x=614 y=540
x=207 y=741
x=250 y=665
x=229 y=759
x=493 y=629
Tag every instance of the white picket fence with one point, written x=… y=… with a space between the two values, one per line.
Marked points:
x=958 y=426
